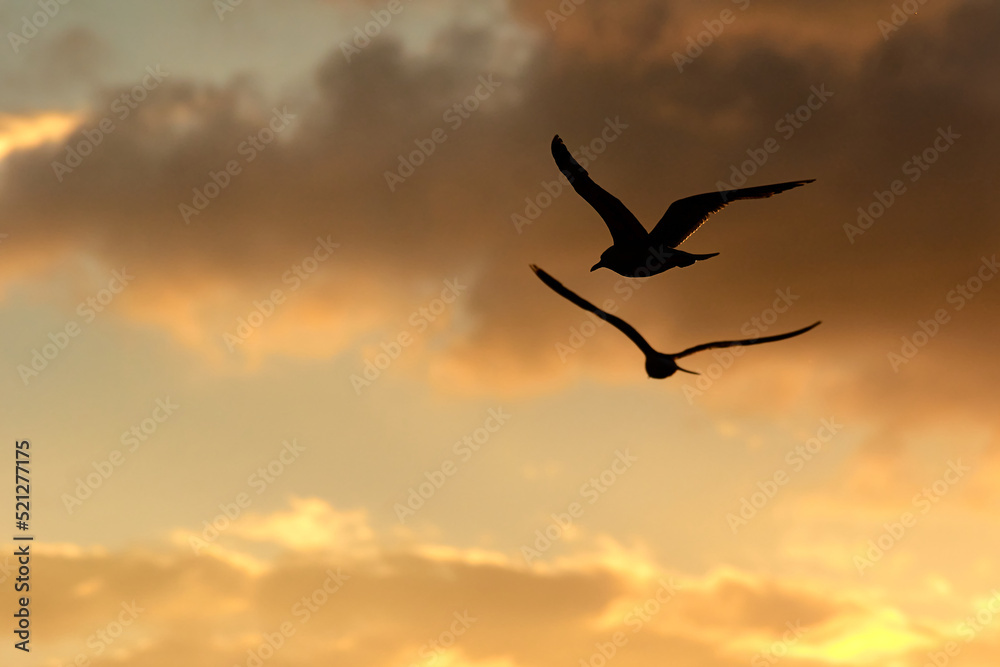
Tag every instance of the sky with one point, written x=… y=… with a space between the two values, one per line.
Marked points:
x=293 y=396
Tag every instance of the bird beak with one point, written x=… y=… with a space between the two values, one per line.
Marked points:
x=596 y=266
x=687 y=371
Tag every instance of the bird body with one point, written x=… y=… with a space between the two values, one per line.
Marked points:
x=635 y=252
x=642 y=261
x=658 y=364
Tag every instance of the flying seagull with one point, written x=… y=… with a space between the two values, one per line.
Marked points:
x=658 y=364
x=636 y=252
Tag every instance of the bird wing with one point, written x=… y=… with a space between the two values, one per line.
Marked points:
x=625 y=228
x=686 y=215
x=745 y=341
x=616 y=322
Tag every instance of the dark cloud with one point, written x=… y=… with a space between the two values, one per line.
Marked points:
x=686 y=132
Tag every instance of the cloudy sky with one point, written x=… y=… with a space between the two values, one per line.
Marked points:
x=294 y=397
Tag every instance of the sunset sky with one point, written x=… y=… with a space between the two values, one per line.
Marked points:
x=295 y=399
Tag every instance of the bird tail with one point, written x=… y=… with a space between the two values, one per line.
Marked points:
x=683 y=259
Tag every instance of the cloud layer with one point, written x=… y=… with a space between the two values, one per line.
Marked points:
x=389 y=604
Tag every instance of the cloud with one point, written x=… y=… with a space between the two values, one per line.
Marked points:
x=402 y=605
x=310 y=523
x=26 y=132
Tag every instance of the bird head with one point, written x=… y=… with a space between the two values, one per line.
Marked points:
x=610 y=258
x=661 y=366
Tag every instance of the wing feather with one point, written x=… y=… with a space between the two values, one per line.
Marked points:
x=746 y=341
x=616 y=322
x=685 y=216
x=625 y=228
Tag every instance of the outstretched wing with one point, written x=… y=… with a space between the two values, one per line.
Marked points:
x=625 y=228
x=686 y=215
x=616 y=322
x=746 y=341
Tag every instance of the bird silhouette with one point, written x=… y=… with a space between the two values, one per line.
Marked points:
x=658 y=364
x=636 y=252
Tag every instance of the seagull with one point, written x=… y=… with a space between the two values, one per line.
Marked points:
x=635 y=252
x=658 y=364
